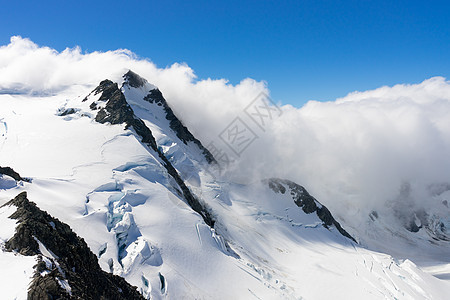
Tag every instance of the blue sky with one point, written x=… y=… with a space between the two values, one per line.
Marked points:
x=305 y=50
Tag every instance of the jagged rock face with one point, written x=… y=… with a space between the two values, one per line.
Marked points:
x=66 y=112
x=414 y=218
x=72 y=261
x=11 y=173
x=419 y=219
x=133 y=79
x=118 y=111
x=155 y=96
x=307 y=203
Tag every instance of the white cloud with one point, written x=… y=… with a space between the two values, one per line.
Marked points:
x=356 y=150
x=362 y=148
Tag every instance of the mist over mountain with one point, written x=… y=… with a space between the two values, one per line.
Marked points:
x=127 y=153
x=366 y=145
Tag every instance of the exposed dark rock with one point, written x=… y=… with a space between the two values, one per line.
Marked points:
x=73 y=261
x=419 y=215
x=307 y=203
x=409 y=213
x=193 y=202
x=438 y=231
x=276 y=186
x=155 y=96
x=107 y=88
x=65 y=112
x=46 y=287
x=133 y=79
x=163 y=283
x=145 y=133
x=118 y=111
x=10 y=172
x=431 y=224
x=93 y=106
x=412 y=226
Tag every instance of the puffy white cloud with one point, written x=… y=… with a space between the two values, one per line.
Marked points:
x=352 y=153
x=26 y=67
x=356 y=152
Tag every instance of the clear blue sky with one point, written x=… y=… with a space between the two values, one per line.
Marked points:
x=304 y=49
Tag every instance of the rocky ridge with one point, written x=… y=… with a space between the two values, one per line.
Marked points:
x=306 y=202
x=113 y=108
x=11 y=173
x=66 y=268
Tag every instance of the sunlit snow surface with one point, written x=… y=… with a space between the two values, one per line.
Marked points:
x=16 y=270
x=113 y=191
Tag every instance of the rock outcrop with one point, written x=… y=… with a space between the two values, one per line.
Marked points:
x=66 y=267
x=307 y=202
x=11 y=173
x=155 y=96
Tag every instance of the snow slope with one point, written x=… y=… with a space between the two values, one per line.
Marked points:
x=115 y=192
x=16 y=270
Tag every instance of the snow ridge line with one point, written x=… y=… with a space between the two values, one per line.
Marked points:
x=118 y=111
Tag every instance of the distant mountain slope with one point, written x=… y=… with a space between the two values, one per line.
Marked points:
x=307 y=202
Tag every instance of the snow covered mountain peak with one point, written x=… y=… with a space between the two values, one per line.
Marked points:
x=113 y=107
x=146 y=100
x=134 y=80
x=120 y=168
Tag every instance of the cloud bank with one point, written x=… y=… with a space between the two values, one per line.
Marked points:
x=354 y=154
